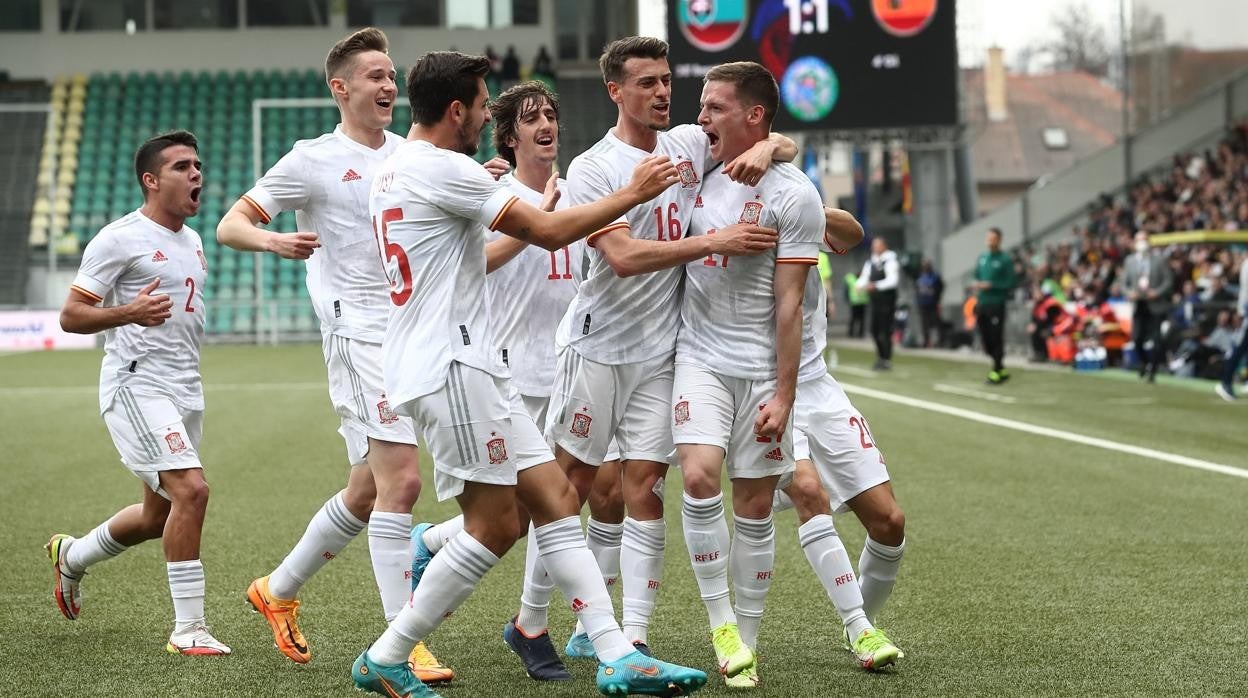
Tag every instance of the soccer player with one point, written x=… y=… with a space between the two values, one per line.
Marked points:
x=614 y=376
x=325 y=181
x=147 y=269
x=736 y=363
x=833 y=447
x=430 y=201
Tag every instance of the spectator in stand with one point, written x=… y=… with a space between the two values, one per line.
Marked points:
x=929 y=288
x=857 y=299
x=1148 y=282
x=511 y=67
x=1226 y=387
x=879 y=278
x=994 y=282
x=542 y=65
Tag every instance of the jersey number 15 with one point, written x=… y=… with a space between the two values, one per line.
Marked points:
x=393 y=251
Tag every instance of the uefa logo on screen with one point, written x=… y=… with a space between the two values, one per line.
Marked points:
x=712 y=25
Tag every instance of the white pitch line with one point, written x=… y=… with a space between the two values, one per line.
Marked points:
x=36 y=391
x=854 y=371
x=1106 y=444
x=968 y=392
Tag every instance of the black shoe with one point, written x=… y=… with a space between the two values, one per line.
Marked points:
x=643 y=648
x=541 y=662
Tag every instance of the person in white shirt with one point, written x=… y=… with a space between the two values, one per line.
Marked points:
x=836 y=454
x=325 y=181
x=141 y=283
x=879 y=278
x=430 y=203
x=617 y=341
x=736 y=363
x=1225 y=387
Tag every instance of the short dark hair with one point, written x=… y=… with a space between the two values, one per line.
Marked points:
x=996 y=230
x=148 y=157
x=617 y=53
x=440 y=78
x=341 y=55
x=755 y=85
x=513 y=103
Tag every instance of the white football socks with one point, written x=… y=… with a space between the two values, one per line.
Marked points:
x=448 y=581
x=642 y=546
x=538 y=587
x=750 y=564
x=390 y=546
x=97 y=546
x=570 y=564
x=877 y=572
x=186 y=586
x=437 y=535
x=830 y=562
x=327 y=534
x=706 y=536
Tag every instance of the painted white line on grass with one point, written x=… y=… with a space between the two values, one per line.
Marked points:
x=854 y=371
x=968 y=392
x=36 y=391
x=1106 y=444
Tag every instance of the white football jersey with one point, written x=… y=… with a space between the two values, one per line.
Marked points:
x=325 y=182
x=814 y=329
x=728 y=316
x=614 y=320
x=527 y=297
x=125 y=256
x=428 y=206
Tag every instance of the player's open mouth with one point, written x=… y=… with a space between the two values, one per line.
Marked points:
x=385 y=103
x=195 y=193
x=661 y=108
x=545 y=139
x=713 y=139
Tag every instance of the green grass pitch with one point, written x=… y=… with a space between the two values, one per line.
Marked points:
x=1034 y=566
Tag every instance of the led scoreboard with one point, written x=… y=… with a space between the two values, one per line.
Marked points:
x=841 y=64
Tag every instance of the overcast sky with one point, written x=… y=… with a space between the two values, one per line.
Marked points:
x=1013 y=24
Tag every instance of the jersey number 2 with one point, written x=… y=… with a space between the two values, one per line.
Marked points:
x=393 y=250
x=190 y=283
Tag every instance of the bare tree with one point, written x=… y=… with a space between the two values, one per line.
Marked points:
x=1081 y=42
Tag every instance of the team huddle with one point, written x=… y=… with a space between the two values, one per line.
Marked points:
x=556 y=343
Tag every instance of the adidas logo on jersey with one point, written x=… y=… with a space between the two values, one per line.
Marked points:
x=351 y=176
x=774 y=454
x=159 y=257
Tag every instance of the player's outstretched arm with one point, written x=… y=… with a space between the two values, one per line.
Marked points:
x=240 y=230
x=501 y=251
x=788 y=286
x=82 y=314
x=750 y=166
x=843 y=232
x=553 y=230
x=630 y=257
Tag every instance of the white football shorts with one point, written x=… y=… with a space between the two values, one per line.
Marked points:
x=832 y=434
x=712 y=409
x=357 y=391
x=152 y=434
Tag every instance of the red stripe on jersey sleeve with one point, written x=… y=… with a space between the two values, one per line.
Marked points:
x=798 y=260
x=503 y=211
x=264 y=215
x=603 y=231
x=86 y=293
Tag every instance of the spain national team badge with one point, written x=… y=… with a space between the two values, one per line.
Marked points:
x=174 y=441
x=681 y=412
x=384 y=414
x=752 y=212
x=580 y=425
x=497 y=449
x=688 y=175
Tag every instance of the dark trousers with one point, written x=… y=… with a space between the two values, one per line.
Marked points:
x=991 y=322
x=883 y=311
x=1146 y=328
x=857 y=320
x=1236 y=358
x=929 y=319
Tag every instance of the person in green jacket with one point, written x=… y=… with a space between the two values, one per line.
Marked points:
x=994 y=280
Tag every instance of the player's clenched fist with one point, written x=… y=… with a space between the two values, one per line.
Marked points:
x=148 y=310
x=742 y=239
x=294 y=245
x=772 y=417
x=652 y=175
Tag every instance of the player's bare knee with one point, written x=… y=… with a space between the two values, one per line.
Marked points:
x=406 y=487
x=643 y=497
x=888 y=527
x=701 y=483
x=753 y=505
x=809 y=498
